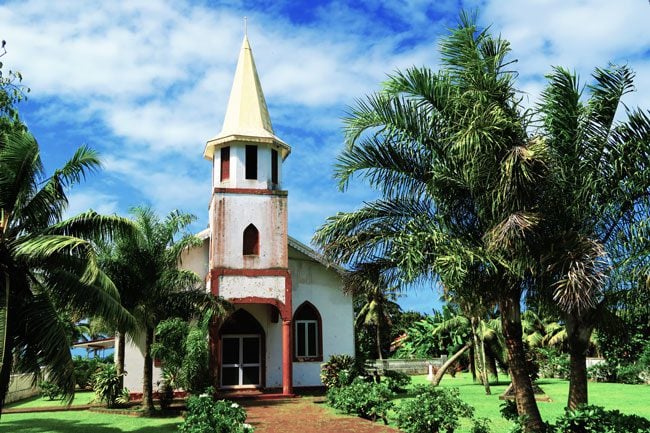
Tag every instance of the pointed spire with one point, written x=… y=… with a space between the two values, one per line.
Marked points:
x=247 y=114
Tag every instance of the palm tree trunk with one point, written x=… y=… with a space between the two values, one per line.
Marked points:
x=524 y=394
x=441 y=372
x=378 y=337
x=578 y=335
x=147 y=380
x=486 y=379
x=475 y=346
x=472 y=363
x=119 y=356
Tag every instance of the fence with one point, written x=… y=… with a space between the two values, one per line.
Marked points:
x=408 y=366
x=20 y=387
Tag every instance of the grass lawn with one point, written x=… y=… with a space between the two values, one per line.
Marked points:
x=632 y=399
x=80 y=398
x=84 y=422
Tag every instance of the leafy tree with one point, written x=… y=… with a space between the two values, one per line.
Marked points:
x=47 y=262
x=146 y=270
x=459 y=178
x=596 y=202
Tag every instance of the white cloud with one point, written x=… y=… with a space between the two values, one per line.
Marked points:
x=82 y=201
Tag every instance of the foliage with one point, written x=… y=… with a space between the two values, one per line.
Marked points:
x=432 y=410
x=603 y=372
x=629 y=373
x=106 y=384
x=165 y=392
x=169 y=347
x=84 y=368
x=339 y=371
x=363 y=398
x=50 y=390
x=195 y=374
x=552 y=362
x=595 y=419
x=481 y=425
x=48 y=265
x=396 y=381
x=205 y=415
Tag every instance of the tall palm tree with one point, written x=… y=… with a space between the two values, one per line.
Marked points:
x=146 y=270
x=597 y=200
x=47 y=263
x=458 y=177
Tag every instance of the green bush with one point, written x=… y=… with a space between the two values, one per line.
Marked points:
x=481 y=425
x=339 y=371
x=552 y=363
x=602 y=372
x=205 y=415
x=106 y=384
x=396 y=381
x=368 y=400
x=595 y=419
x=432 y=410
x=84 y=368
x=50 y=390
x=630 y=374
x=195 y=371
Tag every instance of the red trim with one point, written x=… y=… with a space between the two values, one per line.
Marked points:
x=278 y=192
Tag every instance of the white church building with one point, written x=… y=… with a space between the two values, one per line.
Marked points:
x=290 y=311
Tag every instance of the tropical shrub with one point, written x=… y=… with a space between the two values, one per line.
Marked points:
x=396 y=380
x=106 y=384
x=432 y=410
x=366 y=399
x=481 y=425
x=595 y=419
x=552 y=362
x=630 y=374
x=339 y=371
x=50 y=390
x=195 y=374
x=205 y=415
x=84 y=368
x=602 y=372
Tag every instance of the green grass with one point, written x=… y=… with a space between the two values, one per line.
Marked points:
x=84 y=422
x=632 y=399
x=80 y=398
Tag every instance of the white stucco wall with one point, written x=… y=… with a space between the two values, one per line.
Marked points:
x=196 y=259
x=134 y=365
x=234 y=286
x=232 y=214
x=321 y=286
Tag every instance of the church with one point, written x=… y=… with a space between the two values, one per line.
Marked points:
x=290 y=310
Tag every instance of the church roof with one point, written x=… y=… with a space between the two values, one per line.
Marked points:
x=247 y=116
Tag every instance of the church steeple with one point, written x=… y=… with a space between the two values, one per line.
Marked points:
x=247 y=116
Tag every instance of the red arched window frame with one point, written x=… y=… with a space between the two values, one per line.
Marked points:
x=251 y=241
x=307 y=334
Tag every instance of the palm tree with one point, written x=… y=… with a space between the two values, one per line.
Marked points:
x=367 y=283
x=146 y=270
x=47 y=264
x=597 y=200
x=458 y=177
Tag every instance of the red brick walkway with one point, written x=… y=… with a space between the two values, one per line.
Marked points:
x=305 y=415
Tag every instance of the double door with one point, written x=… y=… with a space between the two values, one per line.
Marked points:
x=241 y=361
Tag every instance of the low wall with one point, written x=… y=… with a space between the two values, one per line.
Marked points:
x=408 y=366
x=594 y=361
x=20 y=387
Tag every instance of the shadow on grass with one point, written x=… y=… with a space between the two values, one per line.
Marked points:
x=75 y=426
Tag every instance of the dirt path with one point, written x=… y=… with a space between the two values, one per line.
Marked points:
x=306 y=415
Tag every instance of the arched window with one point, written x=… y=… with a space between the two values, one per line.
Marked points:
x=308 y=333
x=251 y=241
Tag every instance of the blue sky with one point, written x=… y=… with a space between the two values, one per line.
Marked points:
x=146 y=83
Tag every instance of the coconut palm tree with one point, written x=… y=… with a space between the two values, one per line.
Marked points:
x=146 y=271
x=458 y=178
x=47 y=264
x=596 y=204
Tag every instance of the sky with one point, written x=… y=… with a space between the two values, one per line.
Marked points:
x=146 y=83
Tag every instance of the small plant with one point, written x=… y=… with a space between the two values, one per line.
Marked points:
x=165 y=393
x=84 y=368
x=106 y=384
x=433 y=410
x=339 y=371
x=368 y=400
x=396 y=381
x=124 y=398
x=481 y=425
x=50 y=390
x=602 y=372
x=205 y=415
x=630 y=374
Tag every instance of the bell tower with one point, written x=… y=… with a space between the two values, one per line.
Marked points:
x=248 y=208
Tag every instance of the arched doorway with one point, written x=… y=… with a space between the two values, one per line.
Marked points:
x=242 y=351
